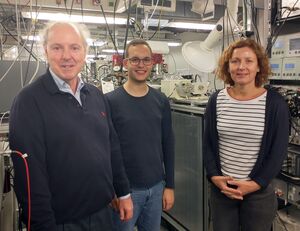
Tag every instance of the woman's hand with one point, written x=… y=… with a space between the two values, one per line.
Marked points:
x=222 y=182
x=245 y=186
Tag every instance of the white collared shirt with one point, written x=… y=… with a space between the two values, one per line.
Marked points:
x=65 y=87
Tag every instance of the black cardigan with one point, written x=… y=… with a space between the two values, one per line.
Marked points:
x=274 y=144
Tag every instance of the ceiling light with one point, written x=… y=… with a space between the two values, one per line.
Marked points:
x=112 y=51
x=189 y=25
x=90 y=56
x=31 y=37
x=169 y=43
x=174 y=44
x=73 y=18
x=95 y=43
x=91 y=42
x=196 y=53
x=155 y=22
x=94 y=56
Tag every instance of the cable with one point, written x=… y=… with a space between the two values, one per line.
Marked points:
x=271 y=44
x=11 y=3
x=197 y=76
x=5 y=113
x=23 y=45
x=107 y=27
x=127 y=27
x=24 y=156
x=136 y=27
x=30 y=55
x=158 y=26
x=146 y=24
x=175 y=67
x=205 y=6
x=20 y=52
x=18 y=40
x=281 y=221
x=81 y=8
x=254 y=23
x=171 y=92
x=291 y=177
x=250 y=4
x=71 y=9
x=36 y=71
x=3 y=141
x=155 y=8
x=114 y=16
x=66 y=8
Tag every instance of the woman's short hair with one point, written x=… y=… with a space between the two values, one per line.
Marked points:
x=262 y=60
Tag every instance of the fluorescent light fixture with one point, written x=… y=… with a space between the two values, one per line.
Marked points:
x=174 y=44
x=91 y=42
x=31 y=37
x=169 y=43
x=154 y=22
x=189 y=25
x=98 y=56
x=112 y=51
x=90 y=56
x=102 y=56
x=95 y=43
x=74 y=18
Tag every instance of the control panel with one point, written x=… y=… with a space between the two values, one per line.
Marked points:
x=285 y=57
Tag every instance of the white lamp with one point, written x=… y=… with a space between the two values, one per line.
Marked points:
x=200 y=54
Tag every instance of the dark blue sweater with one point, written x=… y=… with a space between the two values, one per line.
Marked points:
x=74 y=154
x=145 y=131
x=274 y=144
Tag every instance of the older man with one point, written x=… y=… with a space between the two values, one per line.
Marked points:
x=73 y=152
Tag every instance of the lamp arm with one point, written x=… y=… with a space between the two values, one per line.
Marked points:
x=221 y=28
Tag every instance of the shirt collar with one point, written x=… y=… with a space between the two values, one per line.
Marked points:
x=63 y=85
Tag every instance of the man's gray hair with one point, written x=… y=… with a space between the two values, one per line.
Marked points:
x=80 y=28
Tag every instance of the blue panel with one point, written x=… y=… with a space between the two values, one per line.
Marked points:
x=274 y=65
x=289 y=66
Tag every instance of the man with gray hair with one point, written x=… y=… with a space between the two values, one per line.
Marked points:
x=74 y=157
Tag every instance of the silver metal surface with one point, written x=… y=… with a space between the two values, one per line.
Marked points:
x=287 y=219
x=172 y=222
x=1 y=177
x=19 y=74
x=190 y=209
x=3 y=132
x=188 y=108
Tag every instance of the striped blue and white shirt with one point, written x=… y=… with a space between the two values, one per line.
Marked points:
x=240 y=125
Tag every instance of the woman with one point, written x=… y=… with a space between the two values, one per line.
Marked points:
x=245 y=141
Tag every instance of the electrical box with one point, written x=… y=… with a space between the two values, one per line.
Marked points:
x=286 y=46
x=276 y=66
x=291 y=68
x=163 y=5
